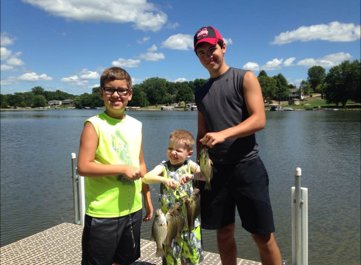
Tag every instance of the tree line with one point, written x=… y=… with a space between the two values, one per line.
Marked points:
x=340 y=84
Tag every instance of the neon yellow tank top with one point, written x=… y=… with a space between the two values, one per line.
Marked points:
x=119 y=143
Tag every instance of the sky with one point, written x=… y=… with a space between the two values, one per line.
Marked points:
x=66 y=44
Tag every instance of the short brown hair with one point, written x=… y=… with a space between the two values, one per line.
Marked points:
x=182 y=137
x=115 y=73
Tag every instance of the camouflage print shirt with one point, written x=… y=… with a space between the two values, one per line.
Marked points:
x=169 y=196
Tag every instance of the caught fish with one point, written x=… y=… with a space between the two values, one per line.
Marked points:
x=175 y=224
x=205 y=164
x=192 y=204
x=159 y=231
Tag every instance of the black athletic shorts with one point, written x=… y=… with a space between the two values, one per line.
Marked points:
x=109 y=240
x=245 y=186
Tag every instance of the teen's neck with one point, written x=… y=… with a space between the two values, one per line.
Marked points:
x=220 y=71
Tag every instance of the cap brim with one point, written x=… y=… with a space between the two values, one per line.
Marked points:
x=212 y=41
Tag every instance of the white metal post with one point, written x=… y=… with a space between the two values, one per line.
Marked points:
x=74 y=178
x=78 y=193
x=82 y=199
x=299 y=207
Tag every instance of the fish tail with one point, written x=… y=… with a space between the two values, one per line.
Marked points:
x=159 y=252
x=207 y=186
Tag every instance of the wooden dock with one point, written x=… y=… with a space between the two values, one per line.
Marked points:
x=61 y=244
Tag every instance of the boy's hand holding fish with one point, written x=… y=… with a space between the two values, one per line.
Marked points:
x=171 y=183
x=186 y=178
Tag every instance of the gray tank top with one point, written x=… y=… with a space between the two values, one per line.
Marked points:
x=222 y=105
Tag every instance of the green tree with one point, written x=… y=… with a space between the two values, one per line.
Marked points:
x=262 y=73
x=87 y=100
x=305 y=87
x=4 y=101
x=39 y=101
x=316 y=76
x=282 y=92
x=184 y=92
x=139 y=97
x=268 y=86
x=57 y=95
x=197 y=83
x=156 y=90
x=38 y=90
x=342 y=83
x=17 y=100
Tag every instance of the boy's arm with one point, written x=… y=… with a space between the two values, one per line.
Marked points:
x=155 y=176
x=145 y=189
x=86 y=158
x=148 y=202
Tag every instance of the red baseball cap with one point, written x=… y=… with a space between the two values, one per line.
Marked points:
x=207 y=34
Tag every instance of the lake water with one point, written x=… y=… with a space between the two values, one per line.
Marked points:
x=36 y=187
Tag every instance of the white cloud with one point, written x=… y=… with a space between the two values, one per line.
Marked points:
x=13 y=61
x=75 y=79
x=179 y=42
x=127 y=63
x=8 y=81
x=4 y=53
x=86 y=74
x=289 y=61
x=6 y=67
x=142 y=14
x=327 y=61
x=32 y=76
x=181 y=79
x=82 y=78
x=334 y=32
x=228 y=41
x=143 y=40
x=152 y=55
x=251 y=66
x=9 y=60
x=5 y=39
x=273 y=64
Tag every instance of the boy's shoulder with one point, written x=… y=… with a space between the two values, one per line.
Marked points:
x=104 y=116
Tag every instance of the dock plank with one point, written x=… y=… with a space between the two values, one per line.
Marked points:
x=61 y=244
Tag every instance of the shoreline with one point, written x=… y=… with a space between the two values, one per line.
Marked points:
x=287 y=109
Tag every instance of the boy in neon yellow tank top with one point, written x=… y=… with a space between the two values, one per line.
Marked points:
x=111 y=159
x=175 y=176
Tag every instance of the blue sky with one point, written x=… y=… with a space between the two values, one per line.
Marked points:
x=66 y=44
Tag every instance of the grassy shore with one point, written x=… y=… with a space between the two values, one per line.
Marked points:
x=311 y=103
x=317 y=103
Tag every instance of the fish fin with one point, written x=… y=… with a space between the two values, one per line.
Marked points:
x=207 y=186
x=159 y=252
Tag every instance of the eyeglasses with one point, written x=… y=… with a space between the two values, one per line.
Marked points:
x=109 y=91
x=206 y=52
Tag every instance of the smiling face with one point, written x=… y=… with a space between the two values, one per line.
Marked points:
x=212 y=58
x=177 y=153
x=116 y=102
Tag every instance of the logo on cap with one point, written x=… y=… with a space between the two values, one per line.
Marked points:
x=207 y=34
x=203 y=32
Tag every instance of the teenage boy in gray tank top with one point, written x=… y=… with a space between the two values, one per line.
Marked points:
x=230 y=112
